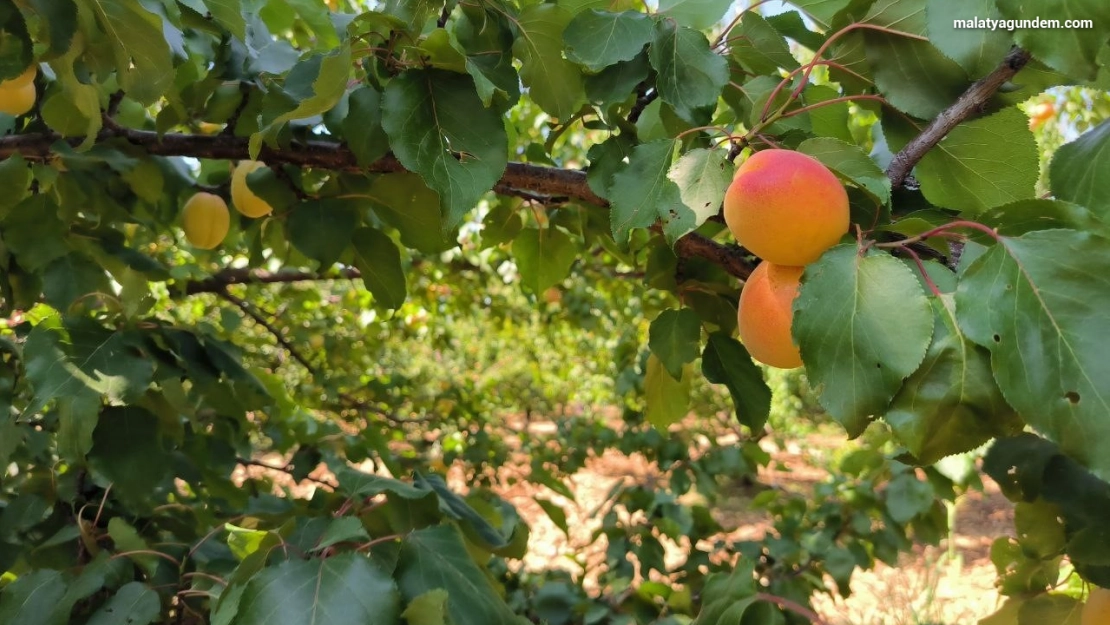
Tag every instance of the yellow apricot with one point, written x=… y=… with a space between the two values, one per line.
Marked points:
x=205 y=220
x=765 y=315
x=245 y=200
x=15 y=99
x=24 y=79
x=786 y=207
x=1097 y=609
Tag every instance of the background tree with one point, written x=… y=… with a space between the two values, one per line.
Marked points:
x=413 y=189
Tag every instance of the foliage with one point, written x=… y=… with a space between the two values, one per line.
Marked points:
x=504 y=208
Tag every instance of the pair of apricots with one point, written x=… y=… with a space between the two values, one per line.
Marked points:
x=205 y=218
x=17 y=95
x=786 y=208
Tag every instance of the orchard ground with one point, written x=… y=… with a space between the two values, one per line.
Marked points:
x=927 y=588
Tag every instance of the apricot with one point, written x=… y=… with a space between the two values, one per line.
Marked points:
x=16 y=99
x=205 y=220
x=786 y=207
x=22 y=80
x=1097 y=609
x=766 y=314
x=245 y=200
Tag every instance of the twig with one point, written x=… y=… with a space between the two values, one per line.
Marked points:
x=965 y=106
x=259 y=463
x=262 y=321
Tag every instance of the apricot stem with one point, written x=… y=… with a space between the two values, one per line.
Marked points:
x=924 y=273
x=847 y=98
x=942 y=231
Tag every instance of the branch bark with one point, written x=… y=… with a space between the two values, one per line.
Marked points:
x=218 y=282
x=965 y=106
x=519 y=178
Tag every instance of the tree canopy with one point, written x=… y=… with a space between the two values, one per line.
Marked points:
x=347 y=234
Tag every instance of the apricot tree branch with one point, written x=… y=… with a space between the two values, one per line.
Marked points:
x=965 y=106
x=271 y=328
x=217 y=282
x=538 y=180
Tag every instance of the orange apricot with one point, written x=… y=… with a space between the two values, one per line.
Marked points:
x=786 y=207
x=1097 y=609
x=766 y=313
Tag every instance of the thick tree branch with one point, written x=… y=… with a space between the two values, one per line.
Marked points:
x=220 y=281
x=536 y=180
x=965 y=106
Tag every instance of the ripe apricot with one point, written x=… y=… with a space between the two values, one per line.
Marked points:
x=766 y=314
x=1097 y=609
x=24 y=79
x=16 y=99
x=205 y=220
x=245 y=200
x=786 y=207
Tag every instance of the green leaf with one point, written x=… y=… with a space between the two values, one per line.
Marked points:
x=134 y=604
x=436 y=558
x=71 y=277
x=429 y=608
x=502 y=223
x=691 y=76
x=347 y=588
x=343 y=529
x=667 y=398
x=951 y=404
x=978 y=51
x=554 y=83
x=824 y=12
x=695 y=14
x=702 y=176
x=727 y=596
x=981 y=164
x=912 y=74
x=322 y=229
x=758 y=47
x=907 y=497
x=362 y=127
x=414 y=12
x=543 y=257
x=142 y=56
x=674 y=338
x=15 y=178
x=1017 y=218
x=725 y=361
x=598 y=39
x=641 y=193
x=1073 y=51
x=114 y=363
x=617 y=83
x=406 y=203
x=431 y=116
x=849 y=162
x=379 y=261
x=16 y=51
x=229 y=14
x=1040 y=303
x=1080 y=171
x=32 y=598
x=58 y=23
x=1057 y=609
x=311 y=88
x=127 y=450
x=863 y=324
x=554 y=512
